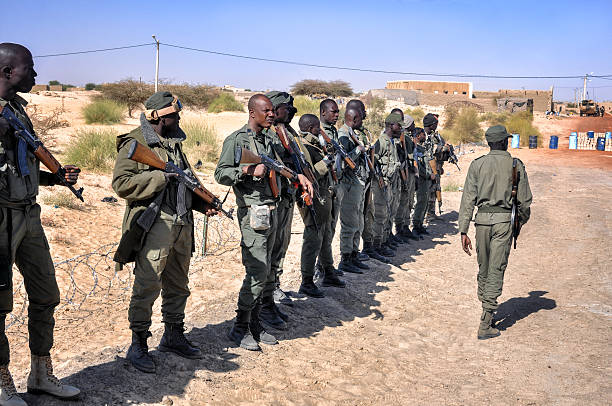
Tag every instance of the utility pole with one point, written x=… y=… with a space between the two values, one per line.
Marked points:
x=584 y=87
x=157 y=64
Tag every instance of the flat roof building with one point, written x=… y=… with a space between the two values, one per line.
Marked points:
x=429 y=87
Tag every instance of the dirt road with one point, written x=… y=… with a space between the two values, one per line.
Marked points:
x=401 y=334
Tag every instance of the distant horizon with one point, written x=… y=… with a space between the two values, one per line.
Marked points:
x=522 y=38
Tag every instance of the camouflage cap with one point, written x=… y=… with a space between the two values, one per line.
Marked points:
x=497 y=133
x=429 y=119
x=277 y=98
x=159 y=100
x=393 y=118
x=408 y=121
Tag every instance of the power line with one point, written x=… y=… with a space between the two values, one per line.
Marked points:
x=461 y=75
x=288 y=62
x=94 y=50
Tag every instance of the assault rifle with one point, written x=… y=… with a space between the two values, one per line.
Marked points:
x=39 y=150
x=301 y=166
x=452 y=158
x=515 y=221
x=144 y=155
x=370 y=161
x=338 y=149
x=404 y=167
x=245 y=156
x=434 y=167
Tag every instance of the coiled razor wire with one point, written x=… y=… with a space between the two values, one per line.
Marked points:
x=90 y=281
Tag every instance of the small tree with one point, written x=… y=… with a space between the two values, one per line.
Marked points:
x=54 y=83
x=129 y=92
x=309 y=87
x=90 y=86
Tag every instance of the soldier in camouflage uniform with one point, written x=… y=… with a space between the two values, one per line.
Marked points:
x=317 y=242
x=166 y=244
x=384 y=203
x=328 y=111
x=352 y=193
x=488 y=186
x=423 y=182
x=435 y=145
x=253 y=195
x=402 y=217
x=22 y=238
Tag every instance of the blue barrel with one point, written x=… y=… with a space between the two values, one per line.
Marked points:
x=601 y=144
x=573 y=141
x=608 y=135
x=554 y=142
x=590 y=134
x=533 y=141
x=516 y=141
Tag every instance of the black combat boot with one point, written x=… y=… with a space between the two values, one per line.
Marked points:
x=241 y=333
x=308 y=288
x=331 y=279
x=421 y=230
x=377 y=255
x=385 y=250
x=318 y=270
x=357 y=262
x=407 y=233
x=175 y=341
x=138 y=353
x=391 y=242
x=346 y=264
x=363 y=256
x=257 y=329
x=269 y=314
x=399 y=240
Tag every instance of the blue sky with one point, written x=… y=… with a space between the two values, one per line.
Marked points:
x=531 y=38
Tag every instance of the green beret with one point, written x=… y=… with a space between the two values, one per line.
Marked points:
x=159 y=100
x=393 y=118
x=497 y=133
x=278 y=98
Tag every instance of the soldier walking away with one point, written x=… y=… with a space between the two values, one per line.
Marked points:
x=22 y=239
x=257 y=217
x=488 y=186
x=317 y=242
x=159 y=217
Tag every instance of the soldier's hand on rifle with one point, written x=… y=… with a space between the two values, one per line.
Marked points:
x=258 y=170
x=306 y=185
x=72 y=173
x=4 y=126
x=211 y=212
x=329 y=159
x=361 y=148
x=169 y=176
x=466 y=243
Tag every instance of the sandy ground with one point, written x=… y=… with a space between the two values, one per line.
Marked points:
x=399 y=334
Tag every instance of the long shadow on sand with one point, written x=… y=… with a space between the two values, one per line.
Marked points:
x=117 y=383
x=517 y=308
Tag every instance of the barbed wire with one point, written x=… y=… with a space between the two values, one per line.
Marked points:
x=91 y=281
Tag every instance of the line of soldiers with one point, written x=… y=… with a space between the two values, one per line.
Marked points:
x=368 y=185
x=330 y=174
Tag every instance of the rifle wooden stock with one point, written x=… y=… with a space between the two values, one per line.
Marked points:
x=281 y=131
x=346 y=158
x=144 y=155
x=273 y=184
x=249 y=157
x=47 y=159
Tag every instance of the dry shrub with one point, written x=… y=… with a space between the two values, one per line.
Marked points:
x=62 y=199
x=93 y=149
x=464 y=126
x=201 y=143
x=44 y=123
x=306 y=105
x=225 y=102
x=522 y=123
x=103 y=111
x=417 y=114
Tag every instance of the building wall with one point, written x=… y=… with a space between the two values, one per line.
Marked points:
x=427 y=87
x=542 y=99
